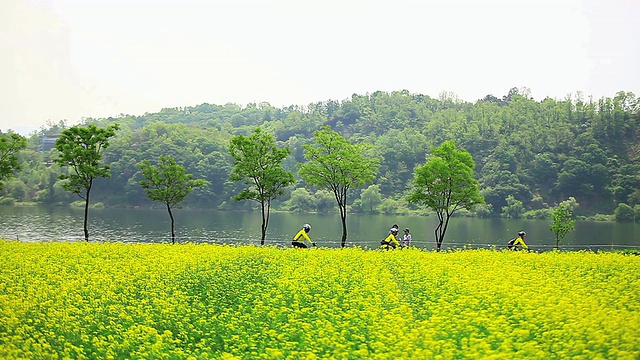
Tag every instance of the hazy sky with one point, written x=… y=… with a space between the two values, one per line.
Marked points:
x=68 y=59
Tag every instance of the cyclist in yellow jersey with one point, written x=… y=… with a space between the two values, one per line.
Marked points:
x=390 y=242
x=298 y=240
x=518 y=242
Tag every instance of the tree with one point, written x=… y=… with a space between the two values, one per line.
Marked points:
x=389 y=206
x=301 y=200
x=80 y=148
x=10 y=144
x=371 y=198
x=337 y=165
x=563 y=223
x=324 y=201
x=17 y=189
x=258 y=162
x=514 y=208
x=582 y=179
x=624 y=212
x=445 y=183
x=168 y=183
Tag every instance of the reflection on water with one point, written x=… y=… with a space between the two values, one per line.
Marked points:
x=211 y=226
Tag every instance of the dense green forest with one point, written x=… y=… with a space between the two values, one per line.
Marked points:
x=530 y=155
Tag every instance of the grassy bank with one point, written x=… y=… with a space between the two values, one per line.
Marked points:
x=80 y=300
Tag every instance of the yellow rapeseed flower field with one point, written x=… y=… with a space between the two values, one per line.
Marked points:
x=144 y=301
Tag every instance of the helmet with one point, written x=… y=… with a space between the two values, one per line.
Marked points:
x=393 y=231
x=406 y=229
x=522 y=233
x=306 y=227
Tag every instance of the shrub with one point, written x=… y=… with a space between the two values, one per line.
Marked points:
x=98 y=205
x=624 y=212
x=7 y=200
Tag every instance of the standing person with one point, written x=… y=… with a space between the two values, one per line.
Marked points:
x=390 y=242
x=518 y=242
x=406 y=239
x=298 y=242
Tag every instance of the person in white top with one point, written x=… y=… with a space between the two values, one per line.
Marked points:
x=406 y=239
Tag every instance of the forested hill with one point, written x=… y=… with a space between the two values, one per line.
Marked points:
x=530 y=155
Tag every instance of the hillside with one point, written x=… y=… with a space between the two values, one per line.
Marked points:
x=528 y=153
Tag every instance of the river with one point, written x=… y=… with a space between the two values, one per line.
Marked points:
x=35 y=223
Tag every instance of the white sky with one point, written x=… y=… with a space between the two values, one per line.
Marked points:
x=68 y=59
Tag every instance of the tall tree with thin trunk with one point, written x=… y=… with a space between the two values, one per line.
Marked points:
x=10 y=145
x=80 y=149
x=445 y=184
x=168 y=183
x=337 y=165
x=258 y=162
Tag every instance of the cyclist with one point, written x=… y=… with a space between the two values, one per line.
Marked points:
x=518 y=243
x=390 y=242
x=298 y=240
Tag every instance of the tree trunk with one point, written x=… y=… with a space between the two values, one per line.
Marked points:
x=441 y=229
x=444 y=229
x=436 y=234
x=341 y=197
x=265 y=220
x=86 y=213
x=343 y=217
x=173 y=233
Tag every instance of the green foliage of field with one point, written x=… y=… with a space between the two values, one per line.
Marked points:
x=112 y=300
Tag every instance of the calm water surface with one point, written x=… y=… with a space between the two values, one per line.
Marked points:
x=212 y=226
